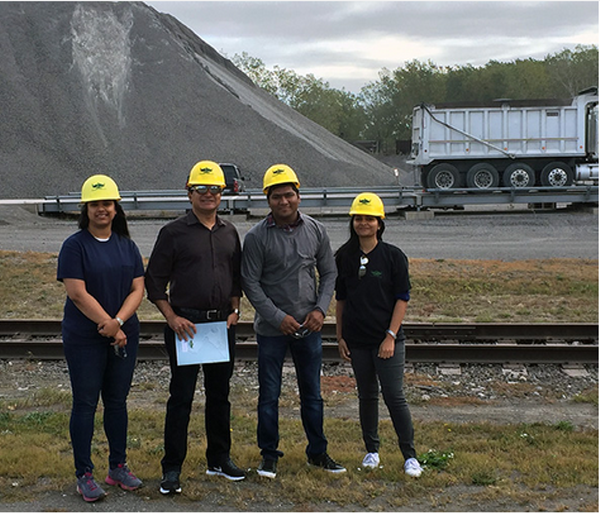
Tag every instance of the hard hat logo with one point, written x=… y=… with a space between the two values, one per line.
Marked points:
x=99 y=187
x=279 y=174
x=207 y=173
x=367 y=204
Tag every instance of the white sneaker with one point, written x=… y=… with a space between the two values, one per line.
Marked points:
x=371 y=460
x=412 y=467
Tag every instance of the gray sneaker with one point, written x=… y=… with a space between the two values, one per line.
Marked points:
x=89 y=489
x=123 y=477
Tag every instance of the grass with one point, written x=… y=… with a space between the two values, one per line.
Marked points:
x=36 y=457
x=548 y=290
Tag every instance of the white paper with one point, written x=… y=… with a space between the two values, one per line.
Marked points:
x=209 y=345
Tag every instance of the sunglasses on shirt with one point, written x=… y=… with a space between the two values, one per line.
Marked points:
x=362 y=269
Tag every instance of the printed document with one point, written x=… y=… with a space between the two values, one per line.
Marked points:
x=209 y=345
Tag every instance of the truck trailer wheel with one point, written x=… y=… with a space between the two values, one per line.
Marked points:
x=557 y=175
x=483 y=176
x=443 y=176
x=518 y=175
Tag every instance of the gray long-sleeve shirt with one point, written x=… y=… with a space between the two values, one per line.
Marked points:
x=279 y=272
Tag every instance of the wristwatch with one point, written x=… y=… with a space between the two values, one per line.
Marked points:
x=120 y=321
x=237 y=312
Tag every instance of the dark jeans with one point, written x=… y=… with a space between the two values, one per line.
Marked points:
x=307 y=356
x=95 y=370
x=368 y=368
x=179 y=406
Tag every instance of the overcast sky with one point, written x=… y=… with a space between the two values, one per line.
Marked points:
x=348 y=43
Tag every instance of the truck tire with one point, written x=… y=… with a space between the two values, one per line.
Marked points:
x=556 y=175
x=483 y=176
x=518 y=175
x=443 y=176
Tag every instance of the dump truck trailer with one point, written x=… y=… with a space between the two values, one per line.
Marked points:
x=515 y=144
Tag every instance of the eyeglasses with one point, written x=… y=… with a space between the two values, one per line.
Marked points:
x=362 y=269
x=302 y=332
x=202 y=189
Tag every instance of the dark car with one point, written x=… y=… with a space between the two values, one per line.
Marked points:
x=233 y=178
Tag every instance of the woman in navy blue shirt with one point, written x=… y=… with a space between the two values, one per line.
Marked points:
x=103 y=274
x=372 y=293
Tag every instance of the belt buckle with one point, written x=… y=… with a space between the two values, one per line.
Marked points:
x=212 y=314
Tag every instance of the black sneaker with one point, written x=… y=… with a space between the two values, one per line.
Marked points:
x=267 y=468
x=229 y=470
x=170 y=483
x=326 y=463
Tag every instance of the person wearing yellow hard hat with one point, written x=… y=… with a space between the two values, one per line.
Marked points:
x=193 y=278
x=372 y=294
x=281 y=258
x=102 y=270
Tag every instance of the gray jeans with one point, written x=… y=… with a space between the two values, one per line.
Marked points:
x=368 y=368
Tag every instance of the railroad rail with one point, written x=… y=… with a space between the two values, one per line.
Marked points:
x=425 y=343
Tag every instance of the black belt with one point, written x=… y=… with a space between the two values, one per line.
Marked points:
x=197 y=316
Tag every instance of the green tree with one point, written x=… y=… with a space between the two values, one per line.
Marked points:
x=336 y=110
x=572 y=71
x=390 y=101
x=383 y=109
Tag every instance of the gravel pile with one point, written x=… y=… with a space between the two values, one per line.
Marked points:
x=119 y=88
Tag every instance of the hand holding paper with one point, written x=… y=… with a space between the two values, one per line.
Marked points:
x=209 y=345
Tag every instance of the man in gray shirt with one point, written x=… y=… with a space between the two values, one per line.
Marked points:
x=280 y=260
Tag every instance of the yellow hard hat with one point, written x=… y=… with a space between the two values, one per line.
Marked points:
x=208 y=173
x=279 y=174
x=99 y=187
x=367 y=204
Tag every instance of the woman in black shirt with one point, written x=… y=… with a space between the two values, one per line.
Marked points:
x=372 y=293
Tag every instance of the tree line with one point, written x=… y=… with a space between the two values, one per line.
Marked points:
x=382 y=111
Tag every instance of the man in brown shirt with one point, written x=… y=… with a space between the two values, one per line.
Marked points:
x=193 y=276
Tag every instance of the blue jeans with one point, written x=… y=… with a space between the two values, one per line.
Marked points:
x=307 y=356
x=95 y=370
x=368 y=368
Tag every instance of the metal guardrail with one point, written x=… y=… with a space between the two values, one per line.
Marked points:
x=341 y=197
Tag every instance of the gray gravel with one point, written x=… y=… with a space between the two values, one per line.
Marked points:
x=503 y=394
x=503 y=235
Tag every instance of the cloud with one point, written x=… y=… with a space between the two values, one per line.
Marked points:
x=348 y=43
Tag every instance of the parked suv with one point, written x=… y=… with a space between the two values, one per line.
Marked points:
x=233 y=178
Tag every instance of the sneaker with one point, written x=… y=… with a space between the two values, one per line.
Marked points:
x=89 y=489
x=123 y=477
x=267 y=468
x=229 y=470
x=170 y=483
x=371 y=460
x=412 y=467
x=326 y=463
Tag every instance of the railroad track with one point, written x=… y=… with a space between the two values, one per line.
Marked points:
x=425 y=343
